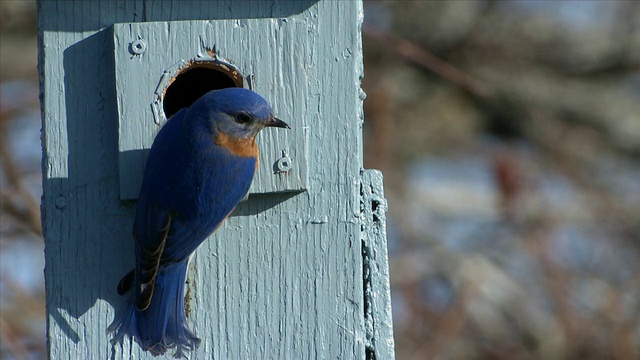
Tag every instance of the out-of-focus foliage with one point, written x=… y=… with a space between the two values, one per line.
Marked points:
x=18 y=42
x=22 y=308
x=509 y=137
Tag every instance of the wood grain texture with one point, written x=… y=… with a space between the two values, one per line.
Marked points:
x=377 y=290
x=283 y=277
x=271 y=50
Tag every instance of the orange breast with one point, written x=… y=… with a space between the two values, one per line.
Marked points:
x=239 y=147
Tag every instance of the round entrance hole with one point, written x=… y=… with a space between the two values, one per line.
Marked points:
x=196 y=80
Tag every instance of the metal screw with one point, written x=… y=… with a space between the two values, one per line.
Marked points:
x=284 y=164
x=138 y=47
x=61 y=202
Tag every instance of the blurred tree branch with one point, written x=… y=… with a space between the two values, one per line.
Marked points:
x=426 y=59
x=16 y=201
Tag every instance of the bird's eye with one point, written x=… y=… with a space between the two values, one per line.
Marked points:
x=243 y=118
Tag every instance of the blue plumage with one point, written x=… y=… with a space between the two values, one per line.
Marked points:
x=200 y=166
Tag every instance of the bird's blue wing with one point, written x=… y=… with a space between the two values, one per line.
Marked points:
x=154 y=214
x=223 y=179
x=190 y=186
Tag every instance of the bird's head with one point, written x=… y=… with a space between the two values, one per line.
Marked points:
x=235 y=112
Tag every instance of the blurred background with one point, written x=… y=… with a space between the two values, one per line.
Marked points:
x=509 y=137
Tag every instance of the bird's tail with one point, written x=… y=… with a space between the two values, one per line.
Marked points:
x=163 y=325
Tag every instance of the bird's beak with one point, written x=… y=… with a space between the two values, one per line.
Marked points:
x=275 y=122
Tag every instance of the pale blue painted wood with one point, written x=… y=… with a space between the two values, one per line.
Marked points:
x=284 y=277
x=377 y=290
x=280 y=74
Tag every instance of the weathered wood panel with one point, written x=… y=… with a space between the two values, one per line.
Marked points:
x=283 y=278
x=268 y=50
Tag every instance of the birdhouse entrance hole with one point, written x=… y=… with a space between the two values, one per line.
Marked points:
x=195 y=80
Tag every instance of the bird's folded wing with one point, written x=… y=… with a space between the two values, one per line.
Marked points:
x=150 y=246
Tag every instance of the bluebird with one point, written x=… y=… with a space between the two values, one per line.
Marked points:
x=200 y=166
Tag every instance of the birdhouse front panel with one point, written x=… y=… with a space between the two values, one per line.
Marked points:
x=164 y=66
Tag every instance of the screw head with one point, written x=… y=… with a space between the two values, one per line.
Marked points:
x=137 y=47
x=61 y=202
x=284 y=164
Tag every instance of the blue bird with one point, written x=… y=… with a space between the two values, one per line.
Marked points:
x=200 y=166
